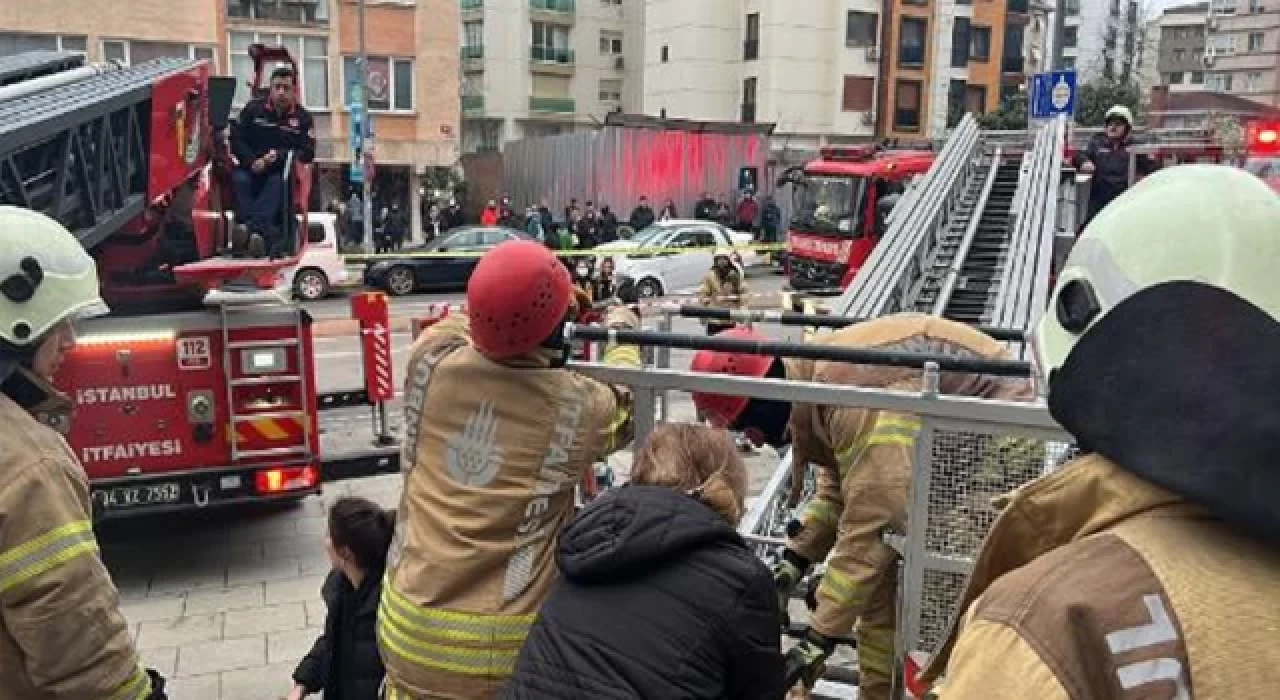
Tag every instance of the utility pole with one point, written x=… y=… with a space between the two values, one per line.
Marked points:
x=364 y=98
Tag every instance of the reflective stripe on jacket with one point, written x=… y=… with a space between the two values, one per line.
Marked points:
x=61 y=631
x=492 y=456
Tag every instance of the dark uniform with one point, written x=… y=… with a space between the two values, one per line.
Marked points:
x=259 y=130
x=1110 y=160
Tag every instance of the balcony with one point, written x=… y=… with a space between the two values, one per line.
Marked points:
x=551 y=61
x=1020 y=7
x=561 y=11
x=472 y=53
x=470 y=5
x=472 y=104
x=552 y=105
x=751 y=49
x=272 y=12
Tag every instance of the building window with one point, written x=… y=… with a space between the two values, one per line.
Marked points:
x=960 y=43
x=473 y=34
x=134 y=52
x=12 y=43
x=1073 y=8
x=751 y=44
x=955 y=102
x=860 y=28
x=1223 y=7
x=1179 y=55
x=1252 y=81
x=1197 y=54
x=859 y=93
x=1115 y=8
x=1197 y=77
x=1068 y=62
x=610 y=44
x=666 y=54
x=310 y=52
x=906 y=105
x=911 y=41
x=980 y=46
x=550 y=37
x=749 y=100
x=611 y=90
x=1219 y=82
x=1070 y=36
x=1175 y=78
x=390 y=86
x=975 y=99
x=615 y=3
x=303 y=12
x=1255 y=41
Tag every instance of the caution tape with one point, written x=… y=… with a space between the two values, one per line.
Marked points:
x=587 y=253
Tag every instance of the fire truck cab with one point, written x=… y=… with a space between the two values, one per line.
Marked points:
x=834 y=223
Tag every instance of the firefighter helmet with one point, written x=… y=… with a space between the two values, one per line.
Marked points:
x=722 y=410
x=1119 y=112
x=46 y=277
x=1211 y=224
x=517 y=297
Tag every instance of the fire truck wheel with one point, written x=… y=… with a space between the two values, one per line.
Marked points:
x=649 y=288
x=310 y=284
x=400 y=281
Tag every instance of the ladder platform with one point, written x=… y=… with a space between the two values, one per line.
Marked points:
x=225 y=272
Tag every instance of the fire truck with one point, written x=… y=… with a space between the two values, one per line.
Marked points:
x=1262 y=141
x=199 y=388
x=834 y=220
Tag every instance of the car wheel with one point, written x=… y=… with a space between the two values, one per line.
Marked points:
x=649 y=288
x=400 y=281
x=310 y=284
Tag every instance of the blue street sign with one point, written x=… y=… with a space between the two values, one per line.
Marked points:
x=1052 y=94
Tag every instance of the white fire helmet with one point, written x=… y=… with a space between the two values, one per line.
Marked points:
x=1211 y=224
x=46 y=277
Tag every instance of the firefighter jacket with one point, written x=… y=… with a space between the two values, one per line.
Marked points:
x=729 y=291
x=864 y=457
x=61 y=631
x=493 y=453
x=1094 y=583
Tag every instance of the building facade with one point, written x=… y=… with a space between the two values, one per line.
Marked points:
x=538 y=67
x=1242 y=51
x=1102 y=39
x=1180 y=55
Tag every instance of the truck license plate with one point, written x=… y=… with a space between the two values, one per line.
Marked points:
x=133 y=496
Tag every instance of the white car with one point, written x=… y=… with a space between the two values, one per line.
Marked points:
x=321 y=267
x=670 y=272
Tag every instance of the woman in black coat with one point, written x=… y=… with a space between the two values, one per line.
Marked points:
x=344 y=662
x=660 y=597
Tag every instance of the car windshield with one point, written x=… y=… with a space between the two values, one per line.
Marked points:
x=649 y=235
x=829 y=204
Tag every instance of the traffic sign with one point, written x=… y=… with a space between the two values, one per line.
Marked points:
x=1052 y=94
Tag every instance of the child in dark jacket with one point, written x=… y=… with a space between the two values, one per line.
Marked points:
x=344 y=661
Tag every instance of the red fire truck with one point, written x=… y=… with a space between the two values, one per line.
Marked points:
x=1262 y=141
x=199 y=389
x=833 y=222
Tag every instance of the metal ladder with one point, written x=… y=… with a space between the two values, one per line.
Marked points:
x=231 y=304
x=952 y=239
x=984 y=265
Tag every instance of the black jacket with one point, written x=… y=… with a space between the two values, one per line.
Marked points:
x=641 y=217
x=344 y=661
x=661 y=599
x=261 y=128
x=1111 y=168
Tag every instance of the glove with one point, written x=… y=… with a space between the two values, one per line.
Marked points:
x=157 y=685
x=806 y=660
x=786 y=577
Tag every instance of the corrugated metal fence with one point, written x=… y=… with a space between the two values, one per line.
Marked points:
x=616 y=165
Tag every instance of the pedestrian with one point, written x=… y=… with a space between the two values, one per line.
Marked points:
x=669 y=211
x=864 y=466
x=498 y=434
x=355 y=220
x=344 y=662
x=533 y=224
x=770 y=219
x=705 y=208
x=642 y=216
x=397 y=227
x=747 y=213
x=433 y=224
x=671 y=602
x=489 y=217
x=1144 y=567
x=608 y=225
x=62 y=634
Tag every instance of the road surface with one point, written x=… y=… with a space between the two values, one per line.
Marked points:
x=225 y=603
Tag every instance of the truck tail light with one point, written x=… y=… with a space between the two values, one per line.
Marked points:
x=282 y=479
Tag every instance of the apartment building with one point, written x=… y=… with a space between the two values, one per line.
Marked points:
x=832 y=70
x=1180 y=55
x=538 y=67
x=1242 y=50
x=1101 y=39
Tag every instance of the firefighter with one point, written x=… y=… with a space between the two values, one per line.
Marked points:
x=498 y=434
x=61 y=631
x=1107 y=157
x=1149 y=566
x=864 y=465
x=724 y=286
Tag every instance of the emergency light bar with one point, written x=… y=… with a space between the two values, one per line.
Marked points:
x=1263 y=137
x=848 y=154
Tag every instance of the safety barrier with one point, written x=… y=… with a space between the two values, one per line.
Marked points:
x=573 y=254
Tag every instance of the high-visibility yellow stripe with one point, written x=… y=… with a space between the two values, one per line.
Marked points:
x=404 y=617
x=433 y=614
x=822 y=512
x=472 y=662
x=626 y=355
x=138 y=687
x=35 y=557
x=842 y=589
x=270 y=429
x=888 y=430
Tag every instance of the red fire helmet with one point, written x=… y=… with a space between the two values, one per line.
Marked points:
x=721 y=410
x=517 y=296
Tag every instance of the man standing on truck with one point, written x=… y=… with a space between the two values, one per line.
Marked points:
x=1148 y=567
x=61 y=631
x=498 y=435
x=864 y=466
x=267 y=130
x=1107 y=158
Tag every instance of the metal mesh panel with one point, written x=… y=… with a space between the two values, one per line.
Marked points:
x=942 y=591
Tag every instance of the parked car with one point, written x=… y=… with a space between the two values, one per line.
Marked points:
x=320 y=268
x=406 y=275
x=667 y=272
